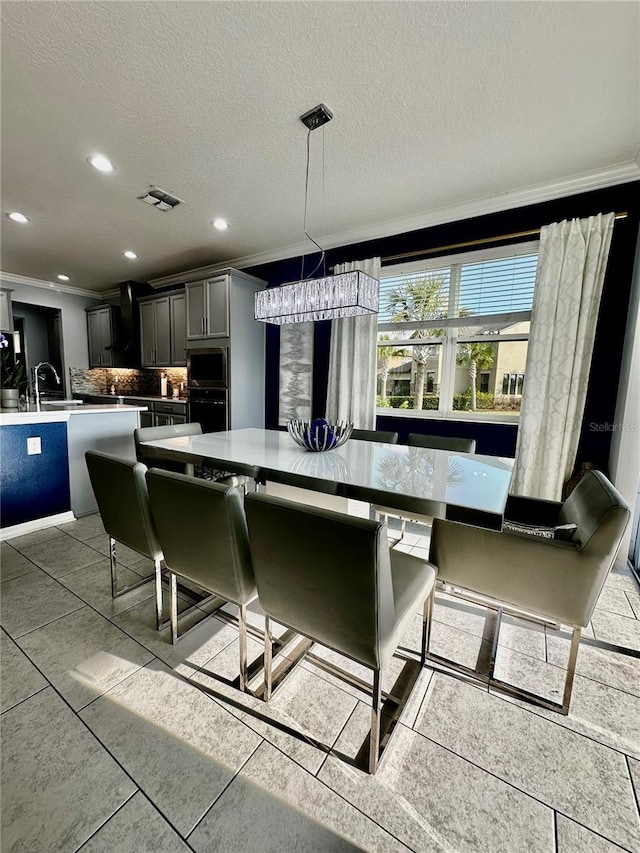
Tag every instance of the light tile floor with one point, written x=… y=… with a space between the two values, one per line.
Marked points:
x=114 y=740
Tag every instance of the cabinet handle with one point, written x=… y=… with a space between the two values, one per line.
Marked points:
x=202 y=324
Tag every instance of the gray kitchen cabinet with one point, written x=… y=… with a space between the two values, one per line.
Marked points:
x=156 y=331
x=100 y=331
x=167 y=414
x=195 y=309
x=178 y=322
x=207 y=308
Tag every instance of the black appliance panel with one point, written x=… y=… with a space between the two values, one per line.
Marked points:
x=209 y=408
x=207 y=368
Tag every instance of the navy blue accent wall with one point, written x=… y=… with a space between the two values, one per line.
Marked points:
x=498 y=439
x=491 y=439
x=33 y=486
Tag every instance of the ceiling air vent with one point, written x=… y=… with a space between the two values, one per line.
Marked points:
x=160 y=199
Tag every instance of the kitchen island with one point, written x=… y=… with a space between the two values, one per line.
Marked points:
x=43 y=474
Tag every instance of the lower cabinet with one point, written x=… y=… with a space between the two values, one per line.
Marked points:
x=168 y=414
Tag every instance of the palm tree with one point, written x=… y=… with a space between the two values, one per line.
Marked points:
x=385 y=354
x=384 y=362
x=475 y=356
x=419 y=299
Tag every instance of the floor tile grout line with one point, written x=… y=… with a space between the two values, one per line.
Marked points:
x=534 y=797
x=103 y=746
x=16 y=637
x=226 y=787
x=536 y=713
x=334 y=791
x=627 y=595
x=554 y=818
x=93 y=607
x=105 y=822
x=636 y=794
x=333 y=745
x=26 y=698
x=24 y=574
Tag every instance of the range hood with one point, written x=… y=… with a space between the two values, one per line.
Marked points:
x=126 y=346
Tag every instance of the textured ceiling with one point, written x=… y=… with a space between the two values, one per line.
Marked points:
x=435 y=104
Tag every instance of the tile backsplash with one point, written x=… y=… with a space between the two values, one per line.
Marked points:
x=126 y=381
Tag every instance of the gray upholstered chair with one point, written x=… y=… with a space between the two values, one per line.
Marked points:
x=556 y=580
x=442 y=442
x=120 y=489
x=203 y=532
x=154 y=458
x=431 y=442
x=384 y=436
x=332 y=578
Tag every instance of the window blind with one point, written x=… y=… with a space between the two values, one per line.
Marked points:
x=493 y=287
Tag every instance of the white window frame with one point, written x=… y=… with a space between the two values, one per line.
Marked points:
x=452 y=323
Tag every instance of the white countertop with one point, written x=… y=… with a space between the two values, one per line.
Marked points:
x=367 y=470
x=58 y=414
x=150 y=397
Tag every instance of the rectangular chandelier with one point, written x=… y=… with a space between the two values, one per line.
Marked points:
x=346 y=294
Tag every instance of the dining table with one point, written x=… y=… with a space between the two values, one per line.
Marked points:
x=466 y=487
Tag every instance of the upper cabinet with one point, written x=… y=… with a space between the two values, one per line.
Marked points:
x=100 y=328
x=178 y=321
x=162 y=331
x=207 y=308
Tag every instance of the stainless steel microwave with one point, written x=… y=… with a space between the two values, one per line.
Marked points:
x=208 y=368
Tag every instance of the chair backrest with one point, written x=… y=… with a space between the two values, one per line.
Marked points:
x=601 y=515
x=123 y=502
x=440 y=442
x=324 y=574
x=375 y=435
x=203 y=533
x=151 y=457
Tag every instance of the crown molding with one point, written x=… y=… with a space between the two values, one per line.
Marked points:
x=621 y=174
x=12 y=277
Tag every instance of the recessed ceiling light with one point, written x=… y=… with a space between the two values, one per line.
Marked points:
x=101 y=163
x=220 y=224
x=129 y=254
x=18 y=217
x=63 y=277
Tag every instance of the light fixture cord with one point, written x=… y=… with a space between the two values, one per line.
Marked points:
x=306 y=196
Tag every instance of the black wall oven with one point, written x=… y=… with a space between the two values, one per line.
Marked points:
x=209 y=408
x=208 y=388
x=207 y=368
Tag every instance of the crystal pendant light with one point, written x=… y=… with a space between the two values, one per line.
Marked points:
x=331 y=297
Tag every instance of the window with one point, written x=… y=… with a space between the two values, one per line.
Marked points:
x=453 y=336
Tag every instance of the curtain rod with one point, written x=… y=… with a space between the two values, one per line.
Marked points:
x=420 y=253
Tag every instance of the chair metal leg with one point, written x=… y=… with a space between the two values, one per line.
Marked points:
x=268 y=663
x=427 y=615
x=113 y=564
x=376 y=713
x=494 y=645
x=242 y=641
x=173 y=607
x=490 y=678
x=571 y=669
x=158 y=570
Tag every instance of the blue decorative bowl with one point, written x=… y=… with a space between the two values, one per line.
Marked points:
x=319 y=435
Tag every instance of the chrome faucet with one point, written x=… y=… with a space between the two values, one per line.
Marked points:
x=36 y=377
